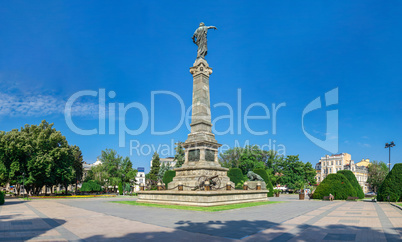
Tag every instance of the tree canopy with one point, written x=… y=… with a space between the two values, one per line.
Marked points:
x=377 y=171
x=113 y=170
x=287 y=170
x=180 y=155
x=391 y=188
x=39 y=153
x=153 y=174
x=353 y=181
x=337 y=185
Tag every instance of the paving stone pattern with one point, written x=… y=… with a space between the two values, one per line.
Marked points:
x=100 y=220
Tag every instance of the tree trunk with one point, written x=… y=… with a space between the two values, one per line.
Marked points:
x=17 y=189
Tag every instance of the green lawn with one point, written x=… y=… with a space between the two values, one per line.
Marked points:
x=399 y=204
x=204 y=209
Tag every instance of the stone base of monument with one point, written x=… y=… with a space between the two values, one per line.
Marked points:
x=202 y=198
x=190 y=176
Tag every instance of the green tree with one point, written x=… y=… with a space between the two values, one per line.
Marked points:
x=377 y=171
x=114 y=168
x=168 y=177
x=264 y=175
x=153 y=174
x=41 y=153
x=352 y=179
x=293 y=170
x=236 y=175
x=2 y=198
x=392 y=185
x=180 y=155
x=230 y=158
x=91 y=186
x=337 y=185
x=120 y=187
x=77 y=165
x=162 y=169
x=251 y=158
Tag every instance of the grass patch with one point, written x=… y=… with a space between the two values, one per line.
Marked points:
x=203 y=209
x=399 y=204
x=71 y=197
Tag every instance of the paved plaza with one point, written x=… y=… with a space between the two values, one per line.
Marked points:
x=99 y=220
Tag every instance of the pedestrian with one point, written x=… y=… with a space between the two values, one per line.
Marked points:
x=331 y=197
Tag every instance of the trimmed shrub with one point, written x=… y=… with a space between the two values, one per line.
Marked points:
x=264 y=174
x=355 y=184
x=91 y=186
x=120 y=187
x=1 y=198
x=392 y=185
x=236 y=176
x=336 y=184
x=168 y=177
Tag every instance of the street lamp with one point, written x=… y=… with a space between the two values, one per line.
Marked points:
x=389 y=146
x=23 y=185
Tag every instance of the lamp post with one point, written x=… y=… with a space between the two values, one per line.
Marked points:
x=23 y=185
x=389 y=146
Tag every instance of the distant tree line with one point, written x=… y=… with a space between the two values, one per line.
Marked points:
x=114 y=171
x=284 y=170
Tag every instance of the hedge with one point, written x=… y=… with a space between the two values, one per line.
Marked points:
x=336 y=184
x=91 y=186
x=168 y=177
x=392 y=185
x=235 y=175
x=120 y=187
x=1 y=198
x=355 y=184
x=263 y=173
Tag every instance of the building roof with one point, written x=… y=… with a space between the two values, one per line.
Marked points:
x=364 y=162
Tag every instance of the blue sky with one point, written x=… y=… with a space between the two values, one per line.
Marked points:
x=273 y=52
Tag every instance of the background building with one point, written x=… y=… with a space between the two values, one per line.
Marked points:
x=167 y=161
x=334 y=163
x=140 y=178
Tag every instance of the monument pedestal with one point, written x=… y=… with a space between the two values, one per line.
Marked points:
x=201 y=158
x=202 y=198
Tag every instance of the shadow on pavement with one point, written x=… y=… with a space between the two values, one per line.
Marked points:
x=243 y=229
x=19 y=229
x=12 y=201
x=229 y=229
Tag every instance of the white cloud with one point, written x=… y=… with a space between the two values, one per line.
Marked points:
x=365 y=145
x=17 y=105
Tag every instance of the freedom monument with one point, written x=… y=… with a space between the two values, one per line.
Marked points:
x=201 y=181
